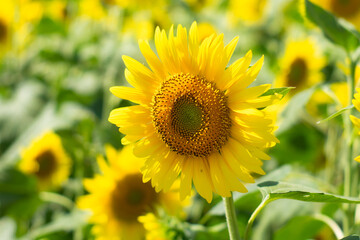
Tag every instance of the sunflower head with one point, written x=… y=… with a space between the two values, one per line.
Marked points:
x=300 y=66
x=123 y=197
x=57 y=9
x=247 y=11
x=206 y=29
x=47 y=160
x=92 y=9
x=196 y=118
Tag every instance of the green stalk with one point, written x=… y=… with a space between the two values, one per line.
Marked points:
x=347 y=155
x=231 y=218
x=331 y=223
x=264 y=202
x=57 y=198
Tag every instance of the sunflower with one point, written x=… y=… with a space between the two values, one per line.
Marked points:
x=355 y=120
x=47 y=160
x=341 y=89
x=195 y=117
x=141 y=24
x=300 y=65
x=92 y=9
x=339 y=96
x=205 y=30
x=123 y=197
x=57 y=9
x=199 y=5
x=247 y=11
x=137 y=5
x=347 y=9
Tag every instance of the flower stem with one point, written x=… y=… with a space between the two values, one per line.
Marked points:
x=57 y=198
x=348 y=150
x=264 y=202
x=331 y=223
x=231 y=218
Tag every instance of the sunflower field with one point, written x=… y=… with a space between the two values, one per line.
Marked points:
x=179 y=119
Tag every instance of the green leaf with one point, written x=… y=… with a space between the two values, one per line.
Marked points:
x=336 y=114
x=333 y=29
x=282 y=91
x=273 y=190
x=66 y=222
x=294 y=109
x=299 y=228
x=351 y=237
x=18 y=194
x=278 y=174
x=49 y=26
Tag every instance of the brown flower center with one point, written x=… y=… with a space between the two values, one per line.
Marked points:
x=3 y=31
x=298 y=72
x=345 y=8
x=132 y=198
x=191 y=115
x=47 y=164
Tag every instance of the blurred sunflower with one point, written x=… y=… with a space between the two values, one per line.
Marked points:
x=198 y=5
x=355 y=120
x=195 y=117
x=141 y=24
x=300 y=66
x=339 y=96
x=56 y=9
x=341 y=89
x=47 y=160
x=30 y=11
x=247 y=11
x=139 y=4
x=92 y=9
x=27 y=14
x=205 y=30
x=123 y=197
x=347 y=9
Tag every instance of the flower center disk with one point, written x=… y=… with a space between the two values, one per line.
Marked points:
x=3 y=31
x=298 y=73
x=345 y=8
x=191 y=115
x=47 y=164
x=132 y=198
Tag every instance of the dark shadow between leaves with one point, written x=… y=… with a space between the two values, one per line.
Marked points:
x=268 y=184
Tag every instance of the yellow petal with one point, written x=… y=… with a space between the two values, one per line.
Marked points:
x=151 y=58
x=217 y=176
x=132 y=94
x=246 y=79
x=187 y=173
x=355 y=121
x=202 y=180
x=247 y=94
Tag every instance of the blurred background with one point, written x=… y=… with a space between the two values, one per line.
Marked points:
x=58 y=59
